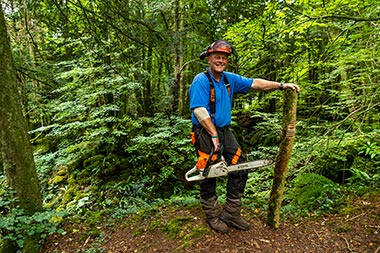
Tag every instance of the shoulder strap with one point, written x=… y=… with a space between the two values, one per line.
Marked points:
x=227 y=84
x=212 y=92
x=212 y=95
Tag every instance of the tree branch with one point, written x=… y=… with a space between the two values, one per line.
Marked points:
x=332 y=16
x=357 y=19
x=25 y=73
x=356 y=112
x=187 y=63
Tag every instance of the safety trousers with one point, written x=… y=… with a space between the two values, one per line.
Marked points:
x=232 y=154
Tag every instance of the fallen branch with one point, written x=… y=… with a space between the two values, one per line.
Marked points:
x=348 y=244
x=355 y=217
x=87 y=240
x=317 y=233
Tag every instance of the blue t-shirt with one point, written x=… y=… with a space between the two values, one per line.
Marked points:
x=199 y=93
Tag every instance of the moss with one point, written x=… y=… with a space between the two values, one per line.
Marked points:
x=185 y=229
x=200 y=231
x=342 y=228
x=70 y=192
x=95 y=217
x=143 y=220
x=57 y=179
x=174 y=227
x=8 y=246
x=154 y=225
x=190 y=233
x=348 y=209
x=73 y=193
x=92 y=233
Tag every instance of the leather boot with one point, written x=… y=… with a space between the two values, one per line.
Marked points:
x=211 y=209
x=231 y=215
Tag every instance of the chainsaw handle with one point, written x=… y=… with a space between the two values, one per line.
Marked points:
x=220 y=151
x=195 y=177
x=204 y=173
x=210 y=161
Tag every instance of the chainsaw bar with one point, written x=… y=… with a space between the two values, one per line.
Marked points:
x=221 y=169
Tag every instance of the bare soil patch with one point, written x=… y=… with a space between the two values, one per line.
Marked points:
x=182 y=229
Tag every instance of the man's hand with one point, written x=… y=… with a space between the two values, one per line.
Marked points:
x=265 y=85
x=215 y=141
x=292 y=86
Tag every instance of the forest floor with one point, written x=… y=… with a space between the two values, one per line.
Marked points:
x=183 y=229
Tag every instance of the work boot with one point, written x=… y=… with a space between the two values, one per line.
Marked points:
x=231 y=215
x=211 y=209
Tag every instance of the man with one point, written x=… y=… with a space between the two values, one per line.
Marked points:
x=211 y=94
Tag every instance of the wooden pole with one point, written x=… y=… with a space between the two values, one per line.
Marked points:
x=283 y=157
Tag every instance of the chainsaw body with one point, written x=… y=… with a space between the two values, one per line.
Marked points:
x=221 y=168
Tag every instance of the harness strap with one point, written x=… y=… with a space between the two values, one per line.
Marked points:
x=212 y=92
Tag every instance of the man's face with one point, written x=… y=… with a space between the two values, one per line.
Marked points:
x=218 y=62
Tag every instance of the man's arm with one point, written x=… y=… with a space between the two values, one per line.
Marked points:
x=265 y=85
x=204 y=119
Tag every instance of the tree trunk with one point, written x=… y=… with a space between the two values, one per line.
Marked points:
x=181 y=84
x=178 y=57
x=282 y=158
x=15 y=147
x=148 y=83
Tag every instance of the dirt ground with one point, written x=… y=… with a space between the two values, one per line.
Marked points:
x=171 y=229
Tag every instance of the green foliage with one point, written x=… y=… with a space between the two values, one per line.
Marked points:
x=163 y=153
x=16 y=226
x=157 y=154
x=362 y=182
x=258 y=188
x=257 y=131
x=311 y=192
x=322 y=48
x=336 y=155
x=173 y=227
x=183 y=228
x=97 y=82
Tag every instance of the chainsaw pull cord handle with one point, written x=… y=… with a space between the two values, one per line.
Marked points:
x=210 y=161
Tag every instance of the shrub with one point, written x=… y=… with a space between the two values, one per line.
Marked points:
x=311 y=192
x=16 y=226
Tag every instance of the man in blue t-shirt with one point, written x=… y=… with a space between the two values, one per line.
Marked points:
x=211 y=94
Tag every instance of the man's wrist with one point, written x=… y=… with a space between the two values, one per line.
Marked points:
x=214 y=136
x=281 y=86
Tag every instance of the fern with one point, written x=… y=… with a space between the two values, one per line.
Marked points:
x=315 y=193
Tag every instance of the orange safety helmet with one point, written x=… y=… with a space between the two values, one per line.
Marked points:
x=218 y=46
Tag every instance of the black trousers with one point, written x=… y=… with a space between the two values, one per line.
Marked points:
x=232 y=155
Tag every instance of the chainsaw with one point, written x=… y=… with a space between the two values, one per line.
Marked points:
x=221 y=168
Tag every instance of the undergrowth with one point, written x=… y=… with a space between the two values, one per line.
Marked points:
x=146 y=170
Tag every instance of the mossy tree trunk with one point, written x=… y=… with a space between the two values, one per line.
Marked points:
x=283 y=157
x=16 y=150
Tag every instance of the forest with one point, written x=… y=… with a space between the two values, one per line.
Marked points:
x=103 y=89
